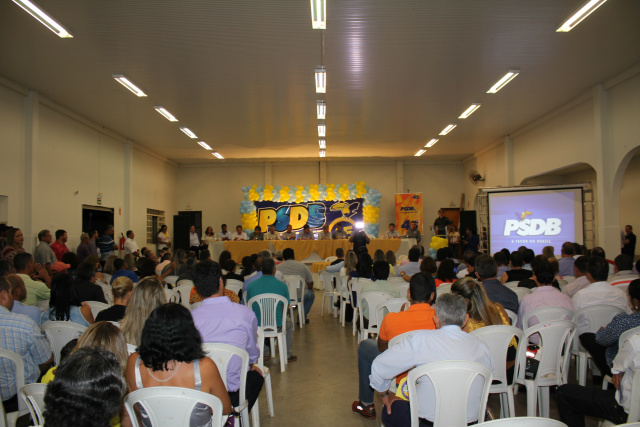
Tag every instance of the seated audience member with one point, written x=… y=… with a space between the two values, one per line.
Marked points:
x=257 y=273
x=471 y=241
x=295 y=268
x=171 y=355
x=580 y=273
x=65 y=305
x=567 y=260
x=517 y=272
x=364 y=267
x=230 y=267
x=448 y=342
x=87 y=391
x=623 y=269
x=442 y=254
x=187 y=271
x=108 y=268
x=147 y=295
x=325 y=234
x=380 y=284
x=413 y=232
x=445 y=273
x=72 y=261
x=21 y=335
x=391 y=258
x=95 y=261
x=603 y=345
x=196 y=244
x=43 y=254
x=599 y=252
x=130 y=260
x=84 y=285
x=147 y=268
x=122 y=290
x=59 y=247
x=544 y=295
x=122 y=270
x=486 y=270
x=548 y=252
x=19 y=293
x=247 y=267
x=204 y=255
x=527 y=256
x=338 y=263
x=177 y=260
x=15 y=242
x=268 y=284
x=219 y=320
x=257 y=234
x=350 y=263
x=239 y=234
x=5 y=267
x=379 y=255
x=165 y=260
x=271 y=233
x=501 y=261
x=468 y=265
x=599 y=292
x=482 y=311
x=413 y=266
x=419 y=315
x=574 y=401
x=36 y=290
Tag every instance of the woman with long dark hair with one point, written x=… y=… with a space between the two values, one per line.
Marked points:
x=64 y=304
x=446 y=272
x=15 y=240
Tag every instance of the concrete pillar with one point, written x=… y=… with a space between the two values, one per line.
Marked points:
x=128 y=174
x=32 y=134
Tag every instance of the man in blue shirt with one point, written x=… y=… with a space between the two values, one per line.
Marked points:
x=122 y=269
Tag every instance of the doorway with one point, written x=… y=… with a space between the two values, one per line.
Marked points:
x=96 y=218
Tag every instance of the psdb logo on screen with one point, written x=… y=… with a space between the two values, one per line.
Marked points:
x=532 y=226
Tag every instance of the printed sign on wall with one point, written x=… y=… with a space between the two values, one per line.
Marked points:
x=408 y=210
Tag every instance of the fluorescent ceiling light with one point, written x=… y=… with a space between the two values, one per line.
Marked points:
x=218 y=155
x=188 y=132
x=469 y=111
x=322 y=142
x=322 y=129
x=167 y=115
x=321 y=79
x=432 y=142
x=319 y=14
x=321 y=106
x=449 y=128
x=204 y=145
x=36 y=11
x=124 y=81
x=584 y=11
x=504 y=80
x=420 y=153
x=323 y=153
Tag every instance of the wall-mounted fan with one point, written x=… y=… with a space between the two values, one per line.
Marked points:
x=475 y=178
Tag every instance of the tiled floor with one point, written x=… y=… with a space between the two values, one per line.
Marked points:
x=318 y=389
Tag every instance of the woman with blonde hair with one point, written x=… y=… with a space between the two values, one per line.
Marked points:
x=108 y=265
x=146 y=297
x=130 y=260
x=350 y=262
x=122 y=289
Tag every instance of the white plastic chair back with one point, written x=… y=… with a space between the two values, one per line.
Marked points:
x=171 y=406
x=392 y=305
x=547 y=314
x=445 y=288
x=331 y=283
x=513 y=317
x=107 y=291
x=620 y=282
x=399 y=338
x=498 y=338
x=131 y=349
x=18 y=365
x=196 y=305
x=234 y=285
x=327 y=279
x=396 y=280
x=296 y=286
x=106 y=278
x=184 y=290
x=521 y=292
x=330 y=258
x=184 y=282
x=97 y=307
x=452 y=381
x=33 y=397
x=569 y=279
x=221 y=354
x=512 y=285
x=373 y=300
x=171 y=279
x=59 y=333
x=626 y=335
x=267 y=321
x=43 y=305
x=403 y=288
x=525 y=422
x=171 y=295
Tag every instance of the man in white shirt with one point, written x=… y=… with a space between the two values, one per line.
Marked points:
x=239 y=234
x=195 y=243
x=392 y=233
x=289 y=234
x=306 y=233
x=580 y=273
x=130 y=245
x=623 y=270
x=447 y=342
x=599 y=292
x=224 y=234
x=271 y=234
x=574 y=401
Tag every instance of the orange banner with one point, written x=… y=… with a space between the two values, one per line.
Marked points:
x=408 y=210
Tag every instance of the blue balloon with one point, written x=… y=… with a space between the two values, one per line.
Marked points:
x=245 y=189
x=260 y=189
x=432 y=252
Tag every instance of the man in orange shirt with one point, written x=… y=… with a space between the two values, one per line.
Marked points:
x=419 y=315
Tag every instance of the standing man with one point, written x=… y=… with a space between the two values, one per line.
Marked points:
x=84 y=248
x=272 y=235
x=392 y=233
x=106 y=244
x=44 y=254
x=441 y=224
x=359 y=240
x=130 y=245
x=339 y=233
x=59 y=247
x=629 y=242
x=306 y=233
x=224 y=234
x=93 y=242
x=414 y=233
x=289 y=234
x=239 y=235
x=295 y=268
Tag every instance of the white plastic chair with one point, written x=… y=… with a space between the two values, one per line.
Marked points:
x=596 y=316
x=354 y=286
x=512 y=285
x=234 y=285
x=59 y=333
x=547 y=314
x=172 y=295
x=267 y=377
x=392 y=305
x=296 y=285
x=569 y=279
x=634 y=408
x=268 y=304
x=330 y=258
x=399 y=338
x=396 y=280
x=107 y=291
x=344 y=298
x=184 y=290
x=97 y=307
x=184 y=282
x=373 y=300
x=445 y=288
x=12 y=417
x=525 y=422
x=172 y=406
x=403 y=288
x=521 y=292
x=33 y=397
x=556 y=337
x=221 y=354
x=452 y=381
x=498 y=338
x=106 y=278
x=171 y=279
x=196 y=305
x=513 y=317
x=329 y=289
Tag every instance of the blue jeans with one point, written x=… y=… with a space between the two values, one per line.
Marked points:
x=309 y=297
x=367 y=352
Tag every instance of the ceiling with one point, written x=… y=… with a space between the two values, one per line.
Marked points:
x=240 y=74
